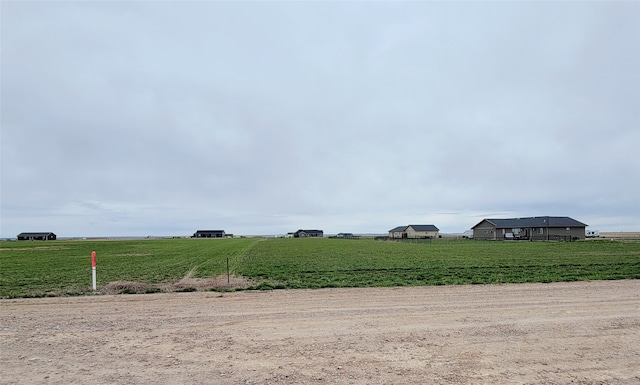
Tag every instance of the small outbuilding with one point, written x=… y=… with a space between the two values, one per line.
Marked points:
x=530 y=228
x=209 y=234
x=308 y=234
x=45 y=236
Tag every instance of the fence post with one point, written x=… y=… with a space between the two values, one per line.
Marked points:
x=93 y=270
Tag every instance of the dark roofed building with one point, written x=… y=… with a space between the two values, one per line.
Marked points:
x=308 y=233
x=422 y=231
x=45 y=236
x=209 y=234
x=532 y=228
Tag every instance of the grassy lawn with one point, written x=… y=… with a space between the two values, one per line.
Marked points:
x=64 y=267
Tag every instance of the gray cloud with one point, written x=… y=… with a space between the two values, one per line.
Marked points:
x=134 y=118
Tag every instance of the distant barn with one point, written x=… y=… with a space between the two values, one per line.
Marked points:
x=37 y=237
x=308 y=233
x=209 y=234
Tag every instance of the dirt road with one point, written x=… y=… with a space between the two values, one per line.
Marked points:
x=561 y=333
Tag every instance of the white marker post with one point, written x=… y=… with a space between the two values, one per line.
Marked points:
x=93 y=269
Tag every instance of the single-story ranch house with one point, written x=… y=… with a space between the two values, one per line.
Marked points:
x=209 y=234
x=47 y=236
x=414 y=231
x=308 y=233
x=533 y=228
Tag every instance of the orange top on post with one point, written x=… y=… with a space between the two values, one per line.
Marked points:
x=93 y=259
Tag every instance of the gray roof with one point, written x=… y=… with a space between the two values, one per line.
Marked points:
x=424 y=228
x=35 y=234
x=415 y=227
x=534 y=222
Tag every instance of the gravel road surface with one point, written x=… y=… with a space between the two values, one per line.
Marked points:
x=558 y=333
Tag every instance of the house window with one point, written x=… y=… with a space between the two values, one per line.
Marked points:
x=541 y=230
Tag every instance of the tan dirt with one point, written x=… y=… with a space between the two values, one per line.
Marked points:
x=559 y=333
x=620 y=235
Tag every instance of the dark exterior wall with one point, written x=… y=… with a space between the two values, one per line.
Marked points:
x=525 y=233
x=209 y=234
x=308 y=234
x=539 y=235
x=484 y=230
x=534 y=234
x=564 y=232
x=557 y=233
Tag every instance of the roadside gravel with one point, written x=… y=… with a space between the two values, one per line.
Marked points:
x=558 y=333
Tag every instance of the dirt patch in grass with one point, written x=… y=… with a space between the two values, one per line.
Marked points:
x=125 y=287
x=132 y=255
x=219 y=283
x=35 y=248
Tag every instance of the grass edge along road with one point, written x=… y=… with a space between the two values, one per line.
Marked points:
x=36 y=269
x=52 y=268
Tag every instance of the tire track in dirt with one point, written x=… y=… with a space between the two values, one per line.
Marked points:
x=560 y=333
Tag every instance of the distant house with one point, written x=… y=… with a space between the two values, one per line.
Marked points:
x=345 y=235
x=414 y=231
x=531 y=228
x=209 y=234
x=37 y=237
x=422 y=231
x=308 y=233
x=397 y=232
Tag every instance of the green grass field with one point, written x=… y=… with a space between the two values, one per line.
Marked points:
x=33 y=269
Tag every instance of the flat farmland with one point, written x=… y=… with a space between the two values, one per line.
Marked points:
x=621 y=235
x=63 y=268
x=440 y=312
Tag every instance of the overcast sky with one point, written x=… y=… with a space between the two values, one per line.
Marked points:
x=163 y=117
